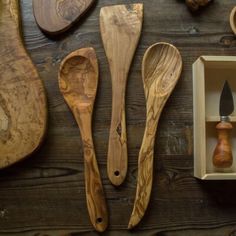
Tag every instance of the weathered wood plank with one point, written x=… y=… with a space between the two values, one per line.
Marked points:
x=45 y=195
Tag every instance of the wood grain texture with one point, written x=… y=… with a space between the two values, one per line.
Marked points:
x=56 y=16
x=45 y=194
x=161 y=70
x=223 y=157
x=120 y=29
x=78 y=80
x=22 y=99
x=232 y=19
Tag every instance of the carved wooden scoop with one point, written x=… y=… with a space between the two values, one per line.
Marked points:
x=120 y=29
x=161 y=69
x=23 y=108
x=78 y=79
x=56 y=16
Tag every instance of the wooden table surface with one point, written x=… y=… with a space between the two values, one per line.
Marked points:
x=45 y=195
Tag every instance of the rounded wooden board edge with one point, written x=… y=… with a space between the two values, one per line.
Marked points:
x=63 y=30
x=14 y=17
x=232 y=19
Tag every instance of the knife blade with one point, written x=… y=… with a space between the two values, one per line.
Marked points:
x=223 y=157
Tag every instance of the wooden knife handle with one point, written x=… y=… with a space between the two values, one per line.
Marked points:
x=223 y=157
x=117 y=161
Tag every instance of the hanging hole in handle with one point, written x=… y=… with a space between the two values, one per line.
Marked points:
x=117 y=173
x=99 y=220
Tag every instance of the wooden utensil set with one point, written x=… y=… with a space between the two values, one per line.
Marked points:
x=22 y=97
x=120 y=27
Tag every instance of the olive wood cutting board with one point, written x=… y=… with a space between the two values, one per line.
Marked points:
x=56 y=16
x=23 y=112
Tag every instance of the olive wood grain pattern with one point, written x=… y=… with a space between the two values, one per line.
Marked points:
x=232 y=19
x=23 y=113
x=120 y=29
x=44 y=194
x=161 y=69
x=56 y=16
x=223 y=157
x=78 y=80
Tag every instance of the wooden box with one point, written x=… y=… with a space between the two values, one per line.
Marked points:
x=209 y=75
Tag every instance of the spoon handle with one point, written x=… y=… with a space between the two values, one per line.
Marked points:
x=94 y=190
x=117 y=150
x=145 y=170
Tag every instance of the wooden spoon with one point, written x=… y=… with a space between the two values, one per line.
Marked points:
x=78 y=79
x=23 y=108
x=56 y=16
x=161 y=69
x=120 y=29
x=233 y=20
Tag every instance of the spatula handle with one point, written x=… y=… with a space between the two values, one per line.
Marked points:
x=117 y=160
x=223 y=157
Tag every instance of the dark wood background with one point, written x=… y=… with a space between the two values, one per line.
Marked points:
x=44 y=195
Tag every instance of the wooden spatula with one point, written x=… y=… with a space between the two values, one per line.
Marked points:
x=161 y=69
x=56 y=16
x=120 y=29
x=23 y=113
x=78 y=79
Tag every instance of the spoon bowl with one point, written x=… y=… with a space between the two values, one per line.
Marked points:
x=78 y=82
x=161 y=70
x=162 y=64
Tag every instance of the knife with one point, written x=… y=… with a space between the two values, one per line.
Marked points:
x=223 y=157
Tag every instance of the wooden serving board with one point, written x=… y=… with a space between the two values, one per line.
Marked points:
x=56 y=16
x=22 y=98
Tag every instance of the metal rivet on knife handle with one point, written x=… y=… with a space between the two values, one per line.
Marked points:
x=161 y=69
x=120 y=29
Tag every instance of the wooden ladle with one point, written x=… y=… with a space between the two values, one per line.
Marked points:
x=233 y=20
x=161 y=69
x=78 y=79
x=56 y=16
